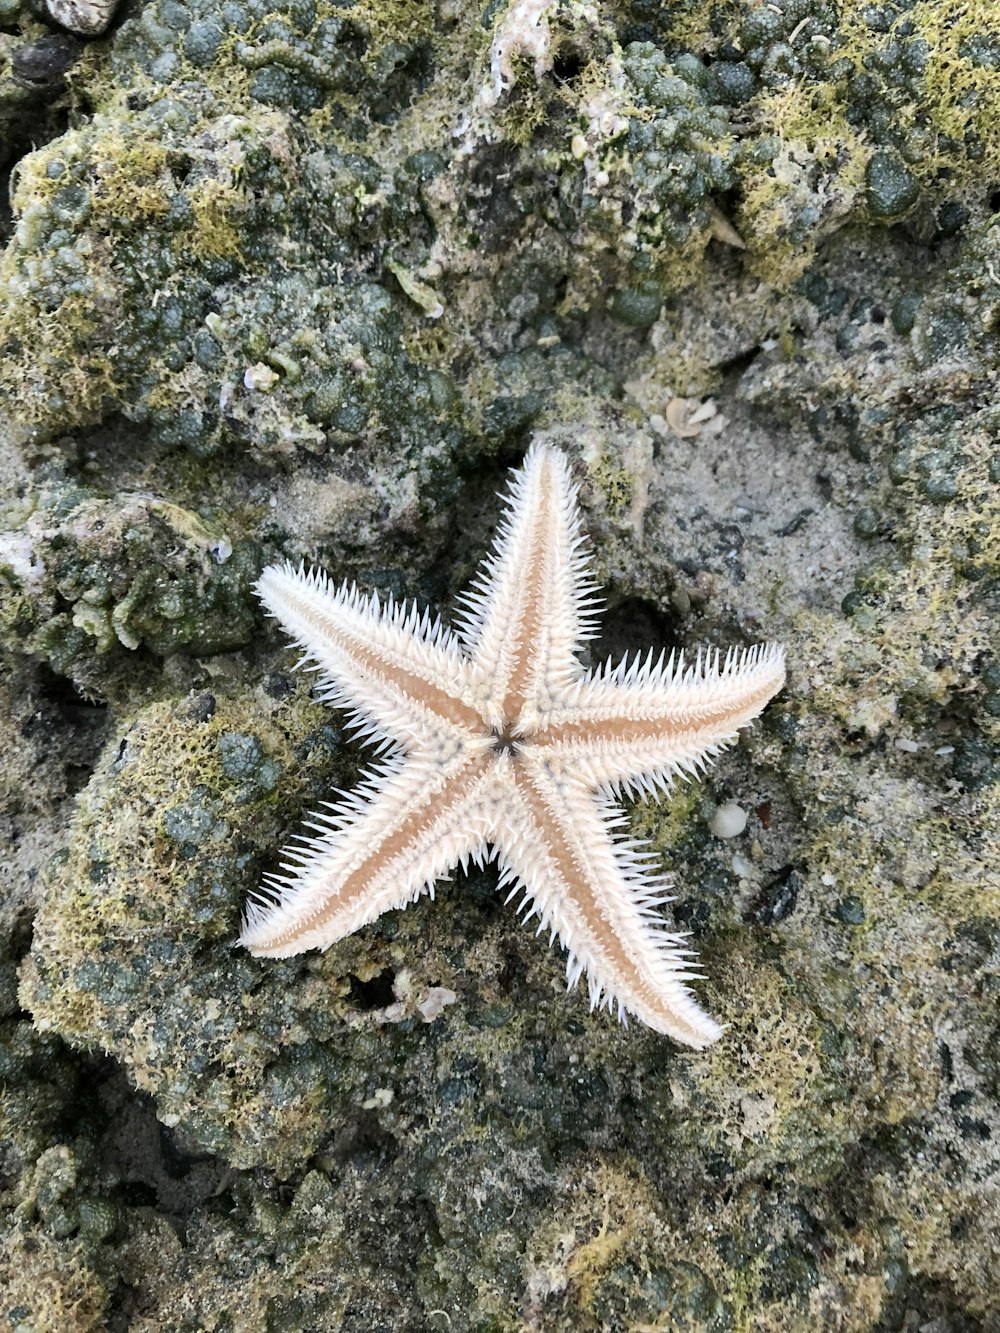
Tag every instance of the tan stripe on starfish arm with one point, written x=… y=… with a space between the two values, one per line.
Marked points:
x=525 y=616
x=382 y=847
x=637 y=726
x=390 y=665
x=602 y=900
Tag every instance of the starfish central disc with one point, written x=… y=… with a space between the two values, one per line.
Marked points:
x=502 y=746
x=504 y=741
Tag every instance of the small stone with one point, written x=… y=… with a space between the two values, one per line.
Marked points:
x=89 y=18
x=636 y=308
x=42 y=64
x=892 y=187
x=729 y=820
x=278 y=686
x=260 y=377
x=778 y=900
x=867 y=523
x=850 y=910
x=435 y=1002
x=202 y=707
x=687 y=417
x=904 y=311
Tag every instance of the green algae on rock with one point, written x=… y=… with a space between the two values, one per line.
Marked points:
x=168 y=222
x=191 y=793
x=260 y=144
x=82 y=575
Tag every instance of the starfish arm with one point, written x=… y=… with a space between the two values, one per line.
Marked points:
x=556 y=844
x=404 y=678
x=527 y=613
x=634 y=727
x=380 y=848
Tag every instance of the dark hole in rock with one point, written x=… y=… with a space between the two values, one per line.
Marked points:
x=374 y=994
x=630 y=626
x=568 y=65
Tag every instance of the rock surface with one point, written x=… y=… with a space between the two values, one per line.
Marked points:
x=303 y=280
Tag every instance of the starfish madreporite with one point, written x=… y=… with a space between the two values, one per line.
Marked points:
x=496 y=742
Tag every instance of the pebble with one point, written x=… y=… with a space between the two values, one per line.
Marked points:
x=728 y=821
x=41 y=65
x=260 y=376
x=87 y=18
x=434 y=1002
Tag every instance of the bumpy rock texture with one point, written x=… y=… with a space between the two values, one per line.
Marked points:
x=303 y=280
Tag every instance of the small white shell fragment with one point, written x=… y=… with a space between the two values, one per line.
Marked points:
x=259 y=376
x=742 y=865
x=87 y=18
x=729 y=820
x=723 y=230
x=379 y=1100
x=216 y=326
x=435 y=1001
x=419 y=293
x=687 y=417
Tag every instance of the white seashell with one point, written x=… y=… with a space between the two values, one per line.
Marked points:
x=687 y=417
x=729 y=820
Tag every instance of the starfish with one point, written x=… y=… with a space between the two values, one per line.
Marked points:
x=495 y=742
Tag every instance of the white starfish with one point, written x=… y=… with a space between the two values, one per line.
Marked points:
x=497 y=743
